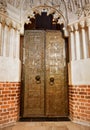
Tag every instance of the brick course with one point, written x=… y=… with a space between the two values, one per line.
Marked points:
x=9 y=102
x=79 y=103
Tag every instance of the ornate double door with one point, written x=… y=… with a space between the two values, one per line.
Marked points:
x=44 y=74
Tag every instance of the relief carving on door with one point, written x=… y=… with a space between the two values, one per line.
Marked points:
x=34 y=73
x=44 y=74
x=55 y=70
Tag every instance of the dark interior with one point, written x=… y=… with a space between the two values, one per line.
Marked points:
x=43 y=22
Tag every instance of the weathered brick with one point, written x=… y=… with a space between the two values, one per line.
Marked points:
x=79 y=103
x=9 y=102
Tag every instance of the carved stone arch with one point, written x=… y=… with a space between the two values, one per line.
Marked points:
x=50 y=10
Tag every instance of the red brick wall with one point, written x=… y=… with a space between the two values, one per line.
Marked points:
x=79 y=103
x=9 y=102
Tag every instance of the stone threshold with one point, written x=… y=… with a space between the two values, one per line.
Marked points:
x=41 y=119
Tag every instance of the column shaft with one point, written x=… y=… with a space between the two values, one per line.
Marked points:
x=72 y=46
x=11 y=42
x=77 y=44
x=0 y=39
x=5 y=40
x=84 y=39
x=14 y=44
x=84 y=44
x=8 y=42
x=89 y=40
x=17 y=44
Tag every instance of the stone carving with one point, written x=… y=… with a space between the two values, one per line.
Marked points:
x=73 y=5
x=71 y=10
x=84 y=11
x=15 y=3
x=79 y=12
x=87 y=10
x=3 y=6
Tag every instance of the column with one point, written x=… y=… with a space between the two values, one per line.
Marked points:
x=5 y=42
x=88 y=26
x=0 y=39
x=84 y=40
x=11 y=42
x=72 y=44
x=8 y=42
x=17 y=44
x=14 y=46
x=77 y=42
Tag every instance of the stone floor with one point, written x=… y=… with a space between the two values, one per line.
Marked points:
x=46 y=126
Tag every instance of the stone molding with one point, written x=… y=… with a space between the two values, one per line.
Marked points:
x=6 y=20
x=79 y=23
x=3 y=6
x=83 y=11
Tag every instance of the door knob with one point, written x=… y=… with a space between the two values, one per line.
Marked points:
x=51 y=81
x=38 y=80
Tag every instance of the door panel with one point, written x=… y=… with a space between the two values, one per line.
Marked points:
x=44 y=74
x=34 y=73
x=56 y=99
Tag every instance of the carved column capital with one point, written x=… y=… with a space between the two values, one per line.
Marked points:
x=8 y=21
x=76 y=26
x=88 y=22
x=18 y=27
x=65 y=32
x=3 y=22
x=71 y=28
x=82 y=24
x=10 y=25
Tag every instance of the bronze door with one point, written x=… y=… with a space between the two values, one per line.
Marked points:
x=33 y=73
x=56 y=77
x=44 y=74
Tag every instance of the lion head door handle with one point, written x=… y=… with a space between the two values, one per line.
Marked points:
x=51 y=81
x=38 y=80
